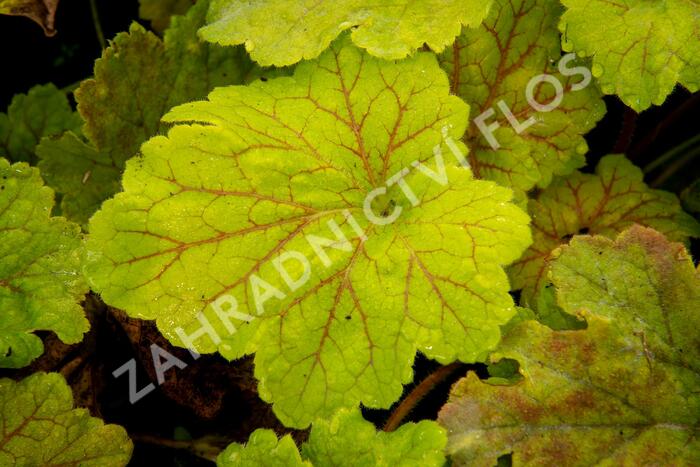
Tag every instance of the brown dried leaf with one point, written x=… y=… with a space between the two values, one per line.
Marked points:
x=41 y=12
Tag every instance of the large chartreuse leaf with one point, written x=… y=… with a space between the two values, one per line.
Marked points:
x=41 y=285
x=647 y=284
x=344 y=440
x=208 y=210
x=622 y=392
x=138 y=78
x=282 y=32
x=640 y=48
x=43 y=111
x=606 y=203
x=491 y=65
x=40 y=427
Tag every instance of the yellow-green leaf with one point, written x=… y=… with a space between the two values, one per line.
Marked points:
x=587 y=397
x=349 y=440
x=604 y=203
x=282 y=32
x=640 y=49
x=491 y=66
x=40 y=427
x=262 y=449
x=646 y=284
x=137 y=80
x=207 y=210
x=43 y=111
x=41 y=285
x=345 y=440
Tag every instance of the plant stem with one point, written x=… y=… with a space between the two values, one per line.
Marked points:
x=418 y=393
x=676 y=165
x=641 y=146
x=624 y=138
x=69 y=368
x=98 y=26
x=671 y=154
x=71 y=87
x=206 y=447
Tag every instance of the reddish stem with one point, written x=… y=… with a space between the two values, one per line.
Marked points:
x=672 y=118
x=629 y=125
x=418 y=393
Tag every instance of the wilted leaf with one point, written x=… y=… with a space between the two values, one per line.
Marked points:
x=43 y=111
x=346 y=439
x=40 y=281
x=282 y=32
x=640 y=49
x=208 y=209
x=137 y=80
x=604 y=203
x=41 y=12
x=40 y=427
x=490 y=66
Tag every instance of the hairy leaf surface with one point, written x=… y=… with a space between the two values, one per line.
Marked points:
x=640 y=49
x=41 y=285
x=588 y=397
x=605 y=203
x=491 y=65
x=344 y=440
x=646 y=284
x=207 y=211
x=137 y=80
x=625 y=388
x=283 y=32
x=43 y=111
x=41 y=427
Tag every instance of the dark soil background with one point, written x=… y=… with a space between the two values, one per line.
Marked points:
x=213 y=398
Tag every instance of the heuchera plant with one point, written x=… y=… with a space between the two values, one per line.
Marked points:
x=333 y=188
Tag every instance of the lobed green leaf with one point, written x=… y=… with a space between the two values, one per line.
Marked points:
x=207 y=210
x=586 y=397
x=41 y=427
x=137 y=80
x=604 y=203
x=621 y=392
x=346 y=439
x=646 y=284
x=283 y=32
x=640 y=49
x=490 y=67
x=41 y=284
x=43 y=111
